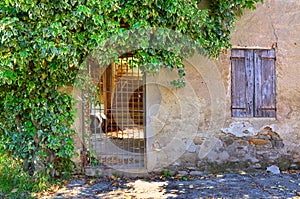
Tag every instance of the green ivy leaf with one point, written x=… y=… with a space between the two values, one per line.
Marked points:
x=43 y=44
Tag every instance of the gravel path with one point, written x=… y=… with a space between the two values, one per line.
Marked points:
x=255 y=185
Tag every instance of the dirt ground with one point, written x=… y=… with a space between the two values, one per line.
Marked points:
x=242 y=185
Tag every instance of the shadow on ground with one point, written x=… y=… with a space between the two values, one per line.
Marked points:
x=256 y=185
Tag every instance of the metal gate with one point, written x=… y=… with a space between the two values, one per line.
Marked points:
x=113 y=116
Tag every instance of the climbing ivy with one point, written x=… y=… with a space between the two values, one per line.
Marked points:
x=43 y=43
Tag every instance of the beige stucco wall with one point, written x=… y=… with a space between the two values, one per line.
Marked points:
x=176 y=118
x=192 y=127
x=275 y=23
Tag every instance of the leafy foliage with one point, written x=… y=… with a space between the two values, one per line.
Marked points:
x=43 y=43
x=15 y=183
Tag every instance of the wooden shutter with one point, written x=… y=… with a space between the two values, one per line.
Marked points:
x=265 y=103
x=242 y=83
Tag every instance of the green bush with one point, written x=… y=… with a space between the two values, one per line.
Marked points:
x=15 y=182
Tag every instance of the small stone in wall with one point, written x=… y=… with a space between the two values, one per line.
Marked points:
x=156 y=146
x=192 y=148
x=198 y=140
x=278 y=144
x=258 y=141
x=294 y=166
x=268 y=134
x=256 y=166
x=183 y=173
x=296 y=156
x=273 y=169
x=196 y=173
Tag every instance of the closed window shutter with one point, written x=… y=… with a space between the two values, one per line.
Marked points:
x=265 y=99
x=242 y=83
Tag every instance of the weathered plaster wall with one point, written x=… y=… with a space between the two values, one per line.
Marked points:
x=276 y=23
x=192 y=127
x=183 y=127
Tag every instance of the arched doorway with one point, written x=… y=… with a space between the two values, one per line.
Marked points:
x=114 y=118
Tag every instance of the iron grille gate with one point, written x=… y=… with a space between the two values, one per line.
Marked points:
x=113 y=116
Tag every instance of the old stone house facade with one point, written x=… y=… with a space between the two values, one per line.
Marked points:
x=240 y=112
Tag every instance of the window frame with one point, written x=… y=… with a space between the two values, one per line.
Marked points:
x=253 y=71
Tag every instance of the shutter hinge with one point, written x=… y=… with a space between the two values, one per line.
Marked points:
x=241 y=58
x=239 y=108
x=268 y=58
x=267 y=108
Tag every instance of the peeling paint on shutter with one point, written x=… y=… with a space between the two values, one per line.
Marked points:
x=265 y=99
x=242 y=83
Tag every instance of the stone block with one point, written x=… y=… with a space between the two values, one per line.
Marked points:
x=188 y=159
x=192 y=148
x=183 y=173
x=264 y=137
x=224 y=155
x=242 y=142
x=242 y=148
x=196 y=173
x=228 y=141
x=256 y=166
x=198 y=140
x=278 y=144
x=258 y=141
x=296 y=156
x=263 y=152
x=294 y=166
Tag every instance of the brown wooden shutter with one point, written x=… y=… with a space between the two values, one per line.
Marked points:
x=242 y=83
x=265 y=99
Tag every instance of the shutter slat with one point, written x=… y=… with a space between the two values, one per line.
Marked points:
x=265 y=103
x=242 y=83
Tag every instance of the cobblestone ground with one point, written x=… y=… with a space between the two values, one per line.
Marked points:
x=255 y=185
